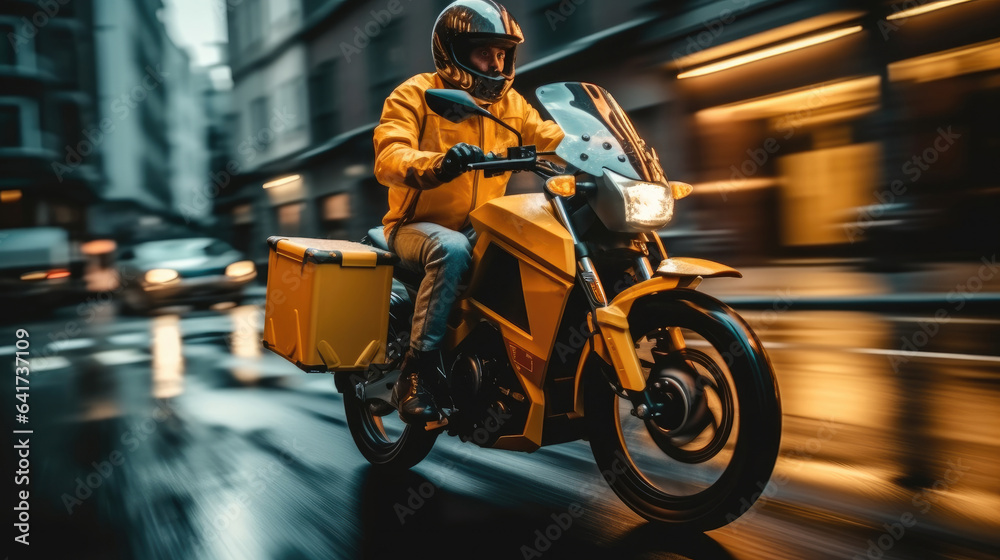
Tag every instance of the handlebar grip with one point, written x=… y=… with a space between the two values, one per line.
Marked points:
x=521 y=158
x=489 y=157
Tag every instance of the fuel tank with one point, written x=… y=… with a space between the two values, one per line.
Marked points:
x=528 y=223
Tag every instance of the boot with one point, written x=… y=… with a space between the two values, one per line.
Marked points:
x=416 y=403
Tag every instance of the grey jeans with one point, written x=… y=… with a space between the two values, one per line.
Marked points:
x=444 y=255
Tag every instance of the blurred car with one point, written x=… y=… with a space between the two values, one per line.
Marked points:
x=39 y=269
x=195 y=270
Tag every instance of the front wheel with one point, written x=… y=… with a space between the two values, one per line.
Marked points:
x=708 y=454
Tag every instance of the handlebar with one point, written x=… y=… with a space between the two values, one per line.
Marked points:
x=520 y=158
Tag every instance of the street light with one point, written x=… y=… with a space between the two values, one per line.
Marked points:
x=769 y=52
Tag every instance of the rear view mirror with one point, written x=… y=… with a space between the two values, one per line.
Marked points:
x=454 y=104
x=457 y=106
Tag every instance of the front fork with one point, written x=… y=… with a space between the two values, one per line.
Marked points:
x=609 y=323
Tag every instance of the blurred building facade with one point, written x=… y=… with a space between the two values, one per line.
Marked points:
x=104 y=121
x=190 y=116
x=155 y=151
x=49 y=175
x=830 y=128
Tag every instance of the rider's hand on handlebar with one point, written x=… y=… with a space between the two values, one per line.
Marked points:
x=457 y=159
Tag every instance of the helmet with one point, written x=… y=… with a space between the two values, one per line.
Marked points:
x=460 y=27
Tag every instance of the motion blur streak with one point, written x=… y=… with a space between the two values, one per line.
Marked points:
x=168 y=360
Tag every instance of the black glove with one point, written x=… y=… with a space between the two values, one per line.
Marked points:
x=457 y=159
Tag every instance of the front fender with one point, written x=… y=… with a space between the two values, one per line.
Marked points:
x=617 y=347
x=683 y=267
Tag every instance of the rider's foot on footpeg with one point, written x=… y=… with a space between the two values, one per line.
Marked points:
x=416 y=404
x=415 y=401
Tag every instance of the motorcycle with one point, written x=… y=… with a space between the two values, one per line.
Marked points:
x=576 y=324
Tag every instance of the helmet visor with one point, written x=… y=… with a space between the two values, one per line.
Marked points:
x=466 y=47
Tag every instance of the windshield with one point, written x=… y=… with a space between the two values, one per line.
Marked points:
x=598 y=132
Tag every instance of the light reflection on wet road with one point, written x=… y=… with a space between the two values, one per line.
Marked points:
x=176 y=437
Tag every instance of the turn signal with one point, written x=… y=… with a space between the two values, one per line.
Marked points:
x=561 y=185
x=680 y=189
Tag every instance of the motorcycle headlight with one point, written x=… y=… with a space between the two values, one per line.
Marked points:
x=647 y=206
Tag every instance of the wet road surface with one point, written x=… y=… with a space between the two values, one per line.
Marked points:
x=177 y=436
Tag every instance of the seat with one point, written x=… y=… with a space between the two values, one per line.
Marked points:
x=376 y=236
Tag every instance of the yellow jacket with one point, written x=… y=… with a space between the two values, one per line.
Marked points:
x=411 y=140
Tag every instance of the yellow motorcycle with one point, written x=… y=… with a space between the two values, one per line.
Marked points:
x=576 y=324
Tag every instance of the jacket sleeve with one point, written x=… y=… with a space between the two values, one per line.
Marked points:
x=398 y=159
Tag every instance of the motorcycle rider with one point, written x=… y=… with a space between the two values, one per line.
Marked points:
x=422 y=157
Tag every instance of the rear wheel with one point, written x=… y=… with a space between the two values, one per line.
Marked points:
x=707 y=456
x=381 y=436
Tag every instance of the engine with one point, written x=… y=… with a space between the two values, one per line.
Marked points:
x=489 y=399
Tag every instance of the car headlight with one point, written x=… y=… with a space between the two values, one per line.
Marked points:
x=240 y=269
x=648 y=206
x=161 y=276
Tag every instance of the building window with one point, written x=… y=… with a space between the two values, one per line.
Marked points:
x=53 y=56
x=65 y=215
x=323 y=101
x=62 y=123
x=156 y=181
x=335 y=215
x=258 y=121
x=233 y=130
x=236 y=31
x=242 y=214
x=10 y=126
x=242 y=231
x=254 y=22
x=291 y=102
x=16 y=211
x=289 y=218
x=16 y=48
x=20 y=126
x=8 y=49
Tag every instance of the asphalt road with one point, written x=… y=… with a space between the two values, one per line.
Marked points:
x=177 y=436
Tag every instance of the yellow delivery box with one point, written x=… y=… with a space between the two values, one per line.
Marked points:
x=327 y=303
